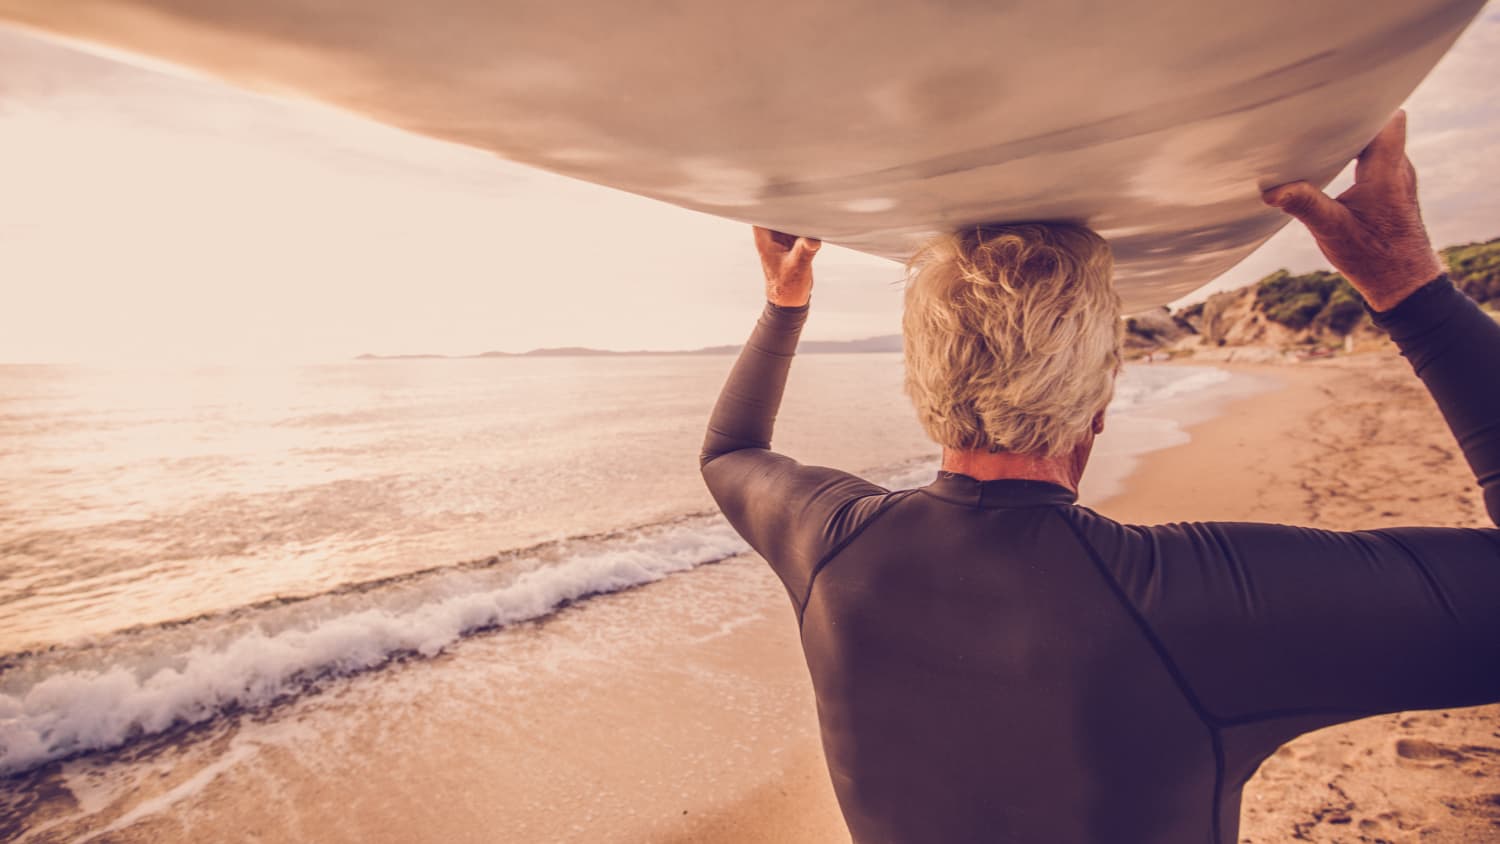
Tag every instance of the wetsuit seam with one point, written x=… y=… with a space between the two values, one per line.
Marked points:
x=1217 y=807
x=756 y=347
x=1208 y=720
x=1156 y=645
x=705 y=458
x=891 y=500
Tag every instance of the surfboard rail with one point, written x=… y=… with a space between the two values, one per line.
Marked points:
x=1156 y=122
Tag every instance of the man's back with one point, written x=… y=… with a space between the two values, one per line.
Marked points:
x=979 y=679
x=995 y=663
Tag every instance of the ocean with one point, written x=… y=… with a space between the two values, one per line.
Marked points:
x=190 y=547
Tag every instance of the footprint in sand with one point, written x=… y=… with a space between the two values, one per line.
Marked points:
x=1387 y=822
x=1421 y=721
x=1486 y=806
x=1422 y=750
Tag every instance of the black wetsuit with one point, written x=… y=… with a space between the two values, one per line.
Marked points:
x=993 y=662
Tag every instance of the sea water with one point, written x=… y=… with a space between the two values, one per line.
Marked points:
x=180 y=546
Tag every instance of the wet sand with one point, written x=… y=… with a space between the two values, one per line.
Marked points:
x=681 y=711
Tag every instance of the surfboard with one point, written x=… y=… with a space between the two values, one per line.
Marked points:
x=870 y=125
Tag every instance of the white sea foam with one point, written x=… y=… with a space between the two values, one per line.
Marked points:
x=1151 y=409
x=153 y=680
x=1145 y=385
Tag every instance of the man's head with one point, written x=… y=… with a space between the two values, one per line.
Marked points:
x=1012 y=337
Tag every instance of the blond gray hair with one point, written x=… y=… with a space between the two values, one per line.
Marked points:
x=1012 y=336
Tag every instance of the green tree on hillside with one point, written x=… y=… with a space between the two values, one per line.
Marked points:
x=1299 y=301
x=1475 y=268
x=1323 y=298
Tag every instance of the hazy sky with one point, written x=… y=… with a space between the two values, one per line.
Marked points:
x=149 y=216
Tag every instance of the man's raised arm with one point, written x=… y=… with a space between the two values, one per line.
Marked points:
x=746 y=411
x=790 y=513
x=1373 y=234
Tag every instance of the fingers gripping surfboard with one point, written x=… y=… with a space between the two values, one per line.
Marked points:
x=870 y=125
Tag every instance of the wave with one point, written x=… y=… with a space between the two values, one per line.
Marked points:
x=1144 y=386
x=65 y=701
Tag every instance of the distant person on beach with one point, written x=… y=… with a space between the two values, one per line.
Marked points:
x=993 y=662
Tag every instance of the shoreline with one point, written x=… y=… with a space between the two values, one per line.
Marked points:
x=1158 y=490
x=681 y=711
x=1135 y=434
x=1344 y=443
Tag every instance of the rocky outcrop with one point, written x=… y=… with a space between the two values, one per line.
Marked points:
x=1281 y=315
x=1299 y=315
x=1231 y=318
x=1154 y=329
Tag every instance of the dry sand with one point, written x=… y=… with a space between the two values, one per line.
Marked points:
x=1349 y=443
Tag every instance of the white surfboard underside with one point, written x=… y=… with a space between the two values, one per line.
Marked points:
x=869 y=124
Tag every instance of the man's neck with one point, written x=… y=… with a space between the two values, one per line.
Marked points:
x=982 y=465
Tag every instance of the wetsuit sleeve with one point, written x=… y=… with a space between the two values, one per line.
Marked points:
x=791 y=514
x=1272 y=631
x=1268 y=622
x=1454 y=347
x=1275 y=630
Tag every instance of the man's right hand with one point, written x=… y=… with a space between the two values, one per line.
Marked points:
x=787 y=261
x=1373 y=232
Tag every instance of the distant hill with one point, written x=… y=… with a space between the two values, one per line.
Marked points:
x=884 y=343
x=1282 y=312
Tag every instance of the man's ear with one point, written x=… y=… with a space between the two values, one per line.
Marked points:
x=1098 y=423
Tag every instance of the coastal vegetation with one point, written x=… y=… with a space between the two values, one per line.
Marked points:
x=1475 y=268
x=1298 y=301
x=1313 y=310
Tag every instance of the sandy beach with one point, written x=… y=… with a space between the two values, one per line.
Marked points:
x=682 y=712
x=1348 y=443
x=360 y=371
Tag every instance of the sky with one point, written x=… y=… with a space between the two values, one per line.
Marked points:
x=148 y=216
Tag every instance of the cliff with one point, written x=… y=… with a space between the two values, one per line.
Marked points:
x=1283 y=315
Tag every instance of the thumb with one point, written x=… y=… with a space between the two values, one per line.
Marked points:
x=1308 y=204
x=805 y=248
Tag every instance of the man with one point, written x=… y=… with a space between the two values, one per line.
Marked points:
x=993 y=662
